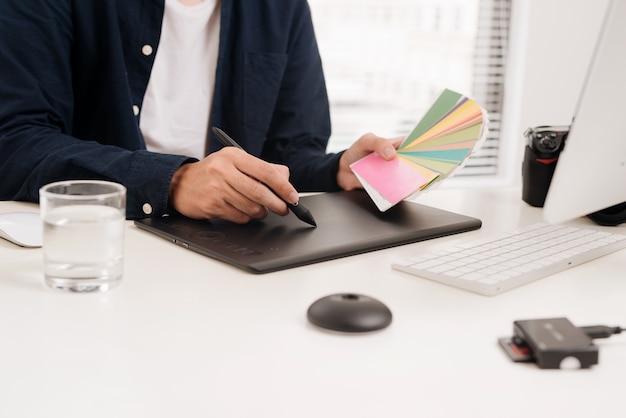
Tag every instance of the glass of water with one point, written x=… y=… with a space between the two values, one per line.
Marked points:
x=83 y=234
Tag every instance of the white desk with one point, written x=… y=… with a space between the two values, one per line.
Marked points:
x=187 y=336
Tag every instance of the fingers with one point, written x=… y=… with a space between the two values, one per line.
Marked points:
x=397 y=141
x=365 y=145
x=232 y=185
x=265 y=179
x=385 y=148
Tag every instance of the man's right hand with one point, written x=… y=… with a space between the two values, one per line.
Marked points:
x=233 y=185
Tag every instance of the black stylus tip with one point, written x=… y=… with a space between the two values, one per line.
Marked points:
x=310 y=221
x=303 y=214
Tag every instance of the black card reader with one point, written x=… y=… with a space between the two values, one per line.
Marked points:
x=552 y=343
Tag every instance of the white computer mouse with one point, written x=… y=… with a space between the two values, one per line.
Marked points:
x=22 y=228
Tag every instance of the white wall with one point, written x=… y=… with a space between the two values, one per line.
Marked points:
x=551 y=42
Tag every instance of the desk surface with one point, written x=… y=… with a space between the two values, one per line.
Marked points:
x=187 y=336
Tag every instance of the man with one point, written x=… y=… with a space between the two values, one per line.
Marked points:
x=85 y=84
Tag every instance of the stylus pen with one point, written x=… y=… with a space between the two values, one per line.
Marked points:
x=298 y=209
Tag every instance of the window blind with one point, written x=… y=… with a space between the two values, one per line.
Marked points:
x=488 y=81
x=386 y=62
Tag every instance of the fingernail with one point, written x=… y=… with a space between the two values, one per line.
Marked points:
x=389 y=152
x=293 y=197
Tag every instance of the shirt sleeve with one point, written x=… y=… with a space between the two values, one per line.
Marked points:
x=67 y=105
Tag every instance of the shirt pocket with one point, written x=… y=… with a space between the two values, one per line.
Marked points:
x=263 y=74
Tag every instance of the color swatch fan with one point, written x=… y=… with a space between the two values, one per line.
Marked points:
x=451 y=130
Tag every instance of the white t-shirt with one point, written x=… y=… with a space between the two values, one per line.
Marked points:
x=177 y=103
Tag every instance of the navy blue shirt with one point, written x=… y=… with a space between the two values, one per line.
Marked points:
x=74 y=74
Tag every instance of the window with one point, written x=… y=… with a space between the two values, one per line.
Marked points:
x=386 y=61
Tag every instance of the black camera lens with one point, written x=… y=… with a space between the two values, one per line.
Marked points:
x=544 y=143
x=547 y=143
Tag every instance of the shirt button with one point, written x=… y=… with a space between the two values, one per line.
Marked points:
x=147 y=208
x=135 y=110
x=146 y=50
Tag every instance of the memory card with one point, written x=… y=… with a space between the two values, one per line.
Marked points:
x=517 y=350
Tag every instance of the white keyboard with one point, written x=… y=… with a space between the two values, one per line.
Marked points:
x=506 y=261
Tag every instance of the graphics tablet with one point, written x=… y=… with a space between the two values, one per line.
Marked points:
x=348 y=223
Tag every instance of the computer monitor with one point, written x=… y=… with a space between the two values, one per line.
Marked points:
x=590 y=174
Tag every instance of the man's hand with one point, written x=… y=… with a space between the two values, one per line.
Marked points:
x=231 y=184
x=368 y=143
